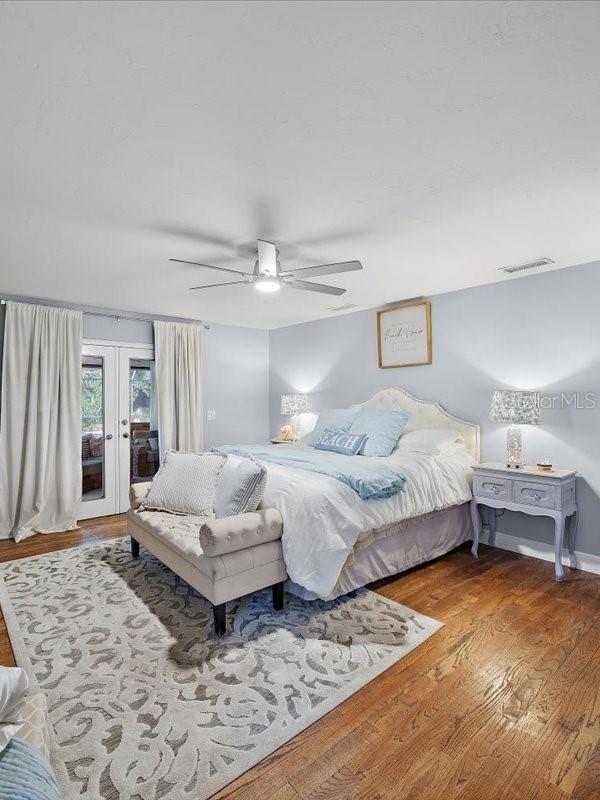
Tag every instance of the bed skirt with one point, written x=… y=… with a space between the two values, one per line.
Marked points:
x=398 y=547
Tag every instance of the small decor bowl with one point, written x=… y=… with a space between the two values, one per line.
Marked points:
x=544 y=465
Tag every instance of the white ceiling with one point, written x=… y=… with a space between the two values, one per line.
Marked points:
x=435 y=142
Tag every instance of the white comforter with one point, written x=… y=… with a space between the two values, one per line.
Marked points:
x=323 y=518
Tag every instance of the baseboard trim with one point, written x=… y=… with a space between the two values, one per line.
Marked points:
x=527 y=547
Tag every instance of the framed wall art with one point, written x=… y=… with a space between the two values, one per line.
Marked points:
x=404 y=335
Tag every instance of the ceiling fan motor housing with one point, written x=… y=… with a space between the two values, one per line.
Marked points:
x=267 y=259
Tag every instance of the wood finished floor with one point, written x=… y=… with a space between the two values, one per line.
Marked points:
x=502 y=703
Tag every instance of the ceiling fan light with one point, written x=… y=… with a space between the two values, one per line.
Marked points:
x=267 y=285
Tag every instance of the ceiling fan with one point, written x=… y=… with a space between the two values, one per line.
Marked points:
x=269 y=277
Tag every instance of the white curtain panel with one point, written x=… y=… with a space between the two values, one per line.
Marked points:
x=178 y=356
x=40 y=421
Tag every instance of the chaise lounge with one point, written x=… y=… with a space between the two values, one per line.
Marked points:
x=223 y=559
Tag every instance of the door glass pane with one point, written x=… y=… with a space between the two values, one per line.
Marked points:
x=92 y=428
x=143 y=426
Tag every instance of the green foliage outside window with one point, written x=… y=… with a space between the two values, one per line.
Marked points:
x=140 y=392
x=92 y=397
x=92 y=417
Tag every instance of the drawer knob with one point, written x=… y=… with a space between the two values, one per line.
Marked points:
x=534 y=495
x=491 y=488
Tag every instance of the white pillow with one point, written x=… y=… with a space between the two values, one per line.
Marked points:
x=186 y=483
x=14 y=687
x=429 y=440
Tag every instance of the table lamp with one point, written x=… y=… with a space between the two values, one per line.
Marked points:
x=291 y=405
x=515 y=408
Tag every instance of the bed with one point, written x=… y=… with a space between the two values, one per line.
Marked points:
x=333 y=541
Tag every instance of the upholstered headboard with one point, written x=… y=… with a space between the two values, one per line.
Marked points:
x=424 y=414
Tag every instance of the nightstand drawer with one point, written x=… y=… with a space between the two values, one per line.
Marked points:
x=535 y=494
x=494 y=488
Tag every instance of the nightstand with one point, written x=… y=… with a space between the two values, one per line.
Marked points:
x=530 y=490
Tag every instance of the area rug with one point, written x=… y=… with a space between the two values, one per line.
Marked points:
x=147 y=703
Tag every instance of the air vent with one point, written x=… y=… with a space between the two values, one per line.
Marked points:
x=539 y=262
x=342 y=308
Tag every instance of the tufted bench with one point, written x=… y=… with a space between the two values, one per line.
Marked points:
x=223 y=559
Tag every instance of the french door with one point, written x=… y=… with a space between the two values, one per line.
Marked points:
x=119 y=432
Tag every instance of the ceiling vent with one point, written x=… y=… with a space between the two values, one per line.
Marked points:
x=342 y=308
x=539 y=262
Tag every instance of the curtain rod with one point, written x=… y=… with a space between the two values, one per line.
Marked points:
x=106 y=314
x=116 y=316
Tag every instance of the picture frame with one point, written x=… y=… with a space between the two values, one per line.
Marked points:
x=404 y=335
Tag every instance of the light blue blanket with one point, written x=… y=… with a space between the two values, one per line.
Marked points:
x=368 y=479
x=25 y=774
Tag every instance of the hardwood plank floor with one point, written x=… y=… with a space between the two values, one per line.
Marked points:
x=502 y=704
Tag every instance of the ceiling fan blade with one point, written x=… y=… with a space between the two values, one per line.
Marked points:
x=309 y=286
x=324 y=269
x=209 y=266
x=213 y=285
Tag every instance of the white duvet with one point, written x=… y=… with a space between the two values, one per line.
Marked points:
x=323 y=518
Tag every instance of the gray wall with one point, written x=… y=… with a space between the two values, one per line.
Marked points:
x=236 y=374
x=540 y=332
x=236 y=385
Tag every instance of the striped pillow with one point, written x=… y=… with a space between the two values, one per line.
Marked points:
x=240 y=488
x=185 y=483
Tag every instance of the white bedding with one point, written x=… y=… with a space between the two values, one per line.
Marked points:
x=323 y=518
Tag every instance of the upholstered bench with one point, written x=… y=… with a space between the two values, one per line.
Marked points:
x=223 y=559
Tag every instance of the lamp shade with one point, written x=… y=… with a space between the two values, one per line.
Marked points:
x=515 y=407
x=293 y=404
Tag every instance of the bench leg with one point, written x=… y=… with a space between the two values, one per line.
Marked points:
x=219 y=614
x=278 y=596
x=135 y=547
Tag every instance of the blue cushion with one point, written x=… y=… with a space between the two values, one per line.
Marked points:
x=347 y=444
x=335 y=419
x=383 y=429
x=25 y=774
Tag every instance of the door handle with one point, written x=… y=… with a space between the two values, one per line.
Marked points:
x=108 y=436
x=126 y=436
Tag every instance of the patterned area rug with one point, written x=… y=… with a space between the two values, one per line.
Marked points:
x=146 y=703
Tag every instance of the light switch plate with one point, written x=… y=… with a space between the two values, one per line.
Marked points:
x=211 y=416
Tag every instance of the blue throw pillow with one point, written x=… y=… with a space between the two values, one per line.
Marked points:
x=348 y=444
x=335 y=419
x=383 y=429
